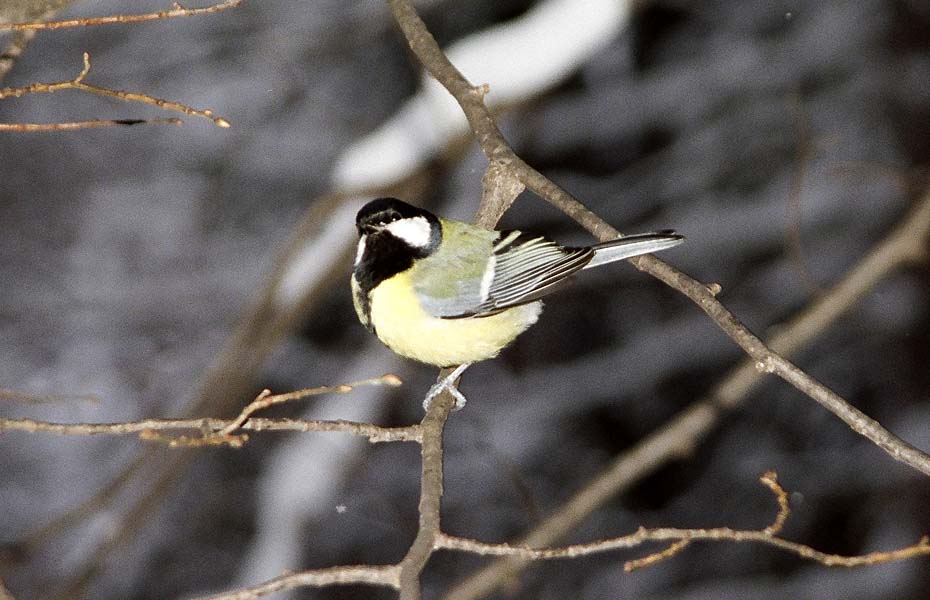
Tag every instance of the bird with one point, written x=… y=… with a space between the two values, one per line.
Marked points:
x=449 y=294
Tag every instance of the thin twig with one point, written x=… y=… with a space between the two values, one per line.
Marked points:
x=93 y=124
x=770 y=480
x=175 y=12
x=265 y=399
x=497 y=150
x=386 y=576
x=719 y=534
x=673 y=549
x=220 y=431
x=683 y=537
x=77 y=83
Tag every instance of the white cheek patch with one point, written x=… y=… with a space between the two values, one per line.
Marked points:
x=414 y=231
x=361 y=250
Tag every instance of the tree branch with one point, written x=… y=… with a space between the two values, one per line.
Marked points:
x=683 y=537
x=215 y=432
x=93 y=124
x=78 y=84
x=386 y=576
x=177 y=11
x=431 y=452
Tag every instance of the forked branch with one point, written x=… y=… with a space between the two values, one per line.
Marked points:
x=78 y=83
x=683 y=537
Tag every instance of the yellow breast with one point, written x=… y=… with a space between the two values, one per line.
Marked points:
x=403 y=325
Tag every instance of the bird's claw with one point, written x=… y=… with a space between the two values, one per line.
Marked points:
x=447 y=383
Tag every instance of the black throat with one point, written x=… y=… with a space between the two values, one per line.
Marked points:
x=384 y=254
x=384 y=257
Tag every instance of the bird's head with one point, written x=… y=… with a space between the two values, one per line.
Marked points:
x=389 y=221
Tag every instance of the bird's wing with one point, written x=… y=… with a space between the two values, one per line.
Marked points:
x=523 y=269
x=448 y=283
x=513 y=268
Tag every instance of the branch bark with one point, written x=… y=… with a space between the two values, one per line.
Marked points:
x=177 y=11
x=78 y=84
x=386 y=576
x=431 y=452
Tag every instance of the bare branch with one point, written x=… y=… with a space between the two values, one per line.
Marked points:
x=651 y=559
x=175 y=12
x=719 y=534
x=147 y=429
x=683 y=537
x=500 y=190
x=429 y=531
x=78 y=84
x=265 y=399
x=220 y=431
x=497 y=150
x=770 y=480
x=73 y=125
x=387 y=576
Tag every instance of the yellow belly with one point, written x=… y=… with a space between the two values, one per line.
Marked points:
x=408 y=330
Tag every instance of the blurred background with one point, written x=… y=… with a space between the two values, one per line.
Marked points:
x=174 y=272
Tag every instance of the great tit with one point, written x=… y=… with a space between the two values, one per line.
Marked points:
x=447 y=293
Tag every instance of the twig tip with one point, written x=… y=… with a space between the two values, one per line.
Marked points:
x=392 y=380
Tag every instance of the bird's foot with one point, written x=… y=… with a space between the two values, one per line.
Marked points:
x=447 y=383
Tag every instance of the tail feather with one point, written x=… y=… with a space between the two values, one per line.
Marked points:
x=633 y=245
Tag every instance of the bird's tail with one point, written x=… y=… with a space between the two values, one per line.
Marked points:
x=633 y=245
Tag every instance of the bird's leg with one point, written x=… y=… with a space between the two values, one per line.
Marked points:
x=448 y=383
